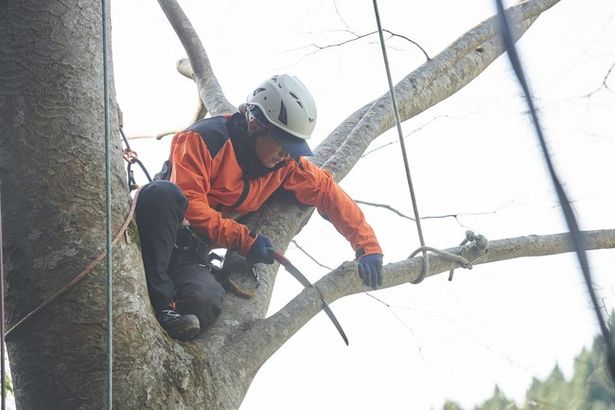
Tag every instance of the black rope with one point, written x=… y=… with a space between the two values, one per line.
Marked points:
x=577 y=238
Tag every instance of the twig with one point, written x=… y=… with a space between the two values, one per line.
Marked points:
x=359 y=37
x=157 y=136
x=310 y=256
x=604 y=84
x=408 y=135
x=339 y=15
x=390 y=208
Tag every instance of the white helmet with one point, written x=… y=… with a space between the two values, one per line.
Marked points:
x=284 y=103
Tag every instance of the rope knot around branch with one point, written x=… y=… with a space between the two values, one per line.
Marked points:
x=472 y=243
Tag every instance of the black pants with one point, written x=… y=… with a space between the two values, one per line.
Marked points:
x=160 y=211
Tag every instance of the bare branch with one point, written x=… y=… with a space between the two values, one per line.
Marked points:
x=357 y=37
x=603 y=85
x=310 y=256
x=385 y=206
x=339 y=15
x=345 y=281
x=157 y=136
x=390 y=208
x=606 y=78
x=209 y=89
x=414 y=131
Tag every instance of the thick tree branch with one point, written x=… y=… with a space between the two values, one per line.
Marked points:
x=184 y=68
x=209 y=89
x=267 y=335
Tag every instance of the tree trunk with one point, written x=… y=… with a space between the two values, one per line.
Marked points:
x=52 y=174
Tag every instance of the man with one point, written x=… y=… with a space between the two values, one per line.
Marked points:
x=224 y=167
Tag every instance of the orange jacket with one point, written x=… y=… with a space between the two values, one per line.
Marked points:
x=207 y=168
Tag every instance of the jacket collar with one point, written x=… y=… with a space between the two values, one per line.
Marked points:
x=243 y=144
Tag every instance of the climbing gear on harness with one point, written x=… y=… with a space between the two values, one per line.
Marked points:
x=132 y=157
x=191 y=247
x=292 y=269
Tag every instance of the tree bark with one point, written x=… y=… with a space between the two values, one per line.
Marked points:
x=51 y=145
x=51 y=169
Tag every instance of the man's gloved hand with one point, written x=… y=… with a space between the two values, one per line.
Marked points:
x=370 y=270
x=260 y=251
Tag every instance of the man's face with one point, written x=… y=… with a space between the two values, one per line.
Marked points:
x=268 y=151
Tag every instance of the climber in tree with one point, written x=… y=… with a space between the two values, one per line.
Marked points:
x=224 y=167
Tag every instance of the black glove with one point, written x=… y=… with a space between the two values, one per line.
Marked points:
x=260 y=251
x=370 y=270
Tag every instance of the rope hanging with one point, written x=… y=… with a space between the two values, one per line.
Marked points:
x=2 y=337
x=108 y=210
x=423 y=248
x=575 y=234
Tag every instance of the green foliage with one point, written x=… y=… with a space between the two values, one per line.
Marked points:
x=8 y=384
x=589 y=388
x=133 y=233
x=451 y=405
x=498 y=401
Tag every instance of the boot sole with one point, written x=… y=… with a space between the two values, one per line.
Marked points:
x=187 y=329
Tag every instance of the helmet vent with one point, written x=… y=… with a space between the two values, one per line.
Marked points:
x=258 y=90
x=275 y=80
x=292 y=94
x=282 y=117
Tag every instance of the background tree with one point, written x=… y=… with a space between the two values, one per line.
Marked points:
x=50 y=139
x=588 y=388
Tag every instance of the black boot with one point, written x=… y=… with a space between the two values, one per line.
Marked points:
x=181 y=327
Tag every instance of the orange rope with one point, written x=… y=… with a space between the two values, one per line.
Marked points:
x=83 y=273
